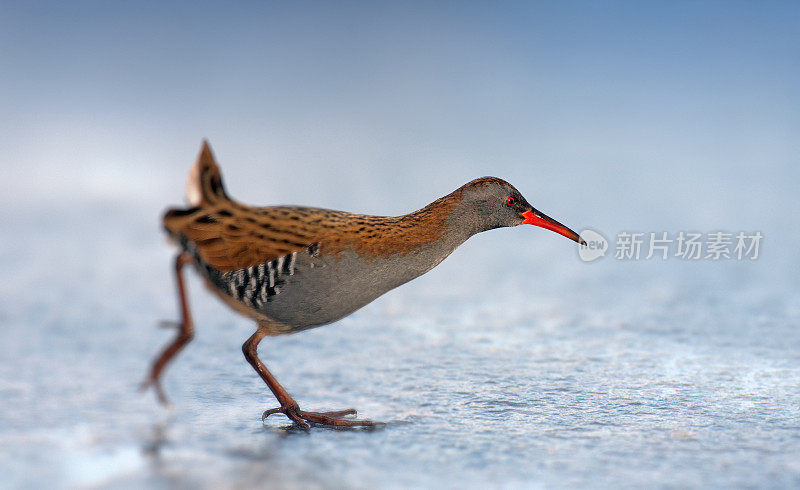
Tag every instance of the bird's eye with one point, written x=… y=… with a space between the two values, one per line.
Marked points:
x=510 y=201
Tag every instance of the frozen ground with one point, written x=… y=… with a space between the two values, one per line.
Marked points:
x=501 y=367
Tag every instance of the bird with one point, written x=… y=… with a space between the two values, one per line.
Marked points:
x=292 y=268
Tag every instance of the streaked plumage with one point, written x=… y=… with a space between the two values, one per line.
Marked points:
x=291 y=267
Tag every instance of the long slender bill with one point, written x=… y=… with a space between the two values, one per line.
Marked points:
x=533 y=217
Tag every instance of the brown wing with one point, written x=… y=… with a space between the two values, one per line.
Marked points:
x=230 y=236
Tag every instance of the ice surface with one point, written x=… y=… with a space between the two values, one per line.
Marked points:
x=537 y=370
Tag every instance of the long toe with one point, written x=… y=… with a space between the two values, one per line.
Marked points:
x=340 y=413
x=332 y=419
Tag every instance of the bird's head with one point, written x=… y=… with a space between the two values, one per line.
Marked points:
x=489 y=203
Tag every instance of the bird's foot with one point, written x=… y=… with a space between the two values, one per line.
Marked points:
x=156 y=384
x=334 y=419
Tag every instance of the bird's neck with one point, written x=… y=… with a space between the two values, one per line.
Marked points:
x=435 y=231
x=432 y=232
x=450 y=218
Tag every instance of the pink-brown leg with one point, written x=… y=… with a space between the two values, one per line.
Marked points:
x=185 y=334
x=289 y=407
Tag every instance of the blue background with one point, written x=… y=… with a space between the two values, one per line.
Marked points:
x=614 y=116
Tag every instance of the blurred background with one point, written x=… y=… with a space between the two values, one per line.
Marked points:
x=514 y=362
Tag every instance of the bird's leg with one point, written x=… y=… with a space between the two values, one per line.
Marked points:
x=289 y=407
x=185 y=333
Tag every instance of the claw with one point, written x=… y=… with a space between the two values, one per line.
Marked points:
x=269 y=412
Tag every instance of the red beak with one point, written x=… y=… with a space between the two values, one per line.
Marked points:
x=533 y=217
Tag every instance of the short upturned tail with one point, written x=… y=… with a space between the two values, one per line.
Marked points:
x=205 y=180
x=204 y=190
